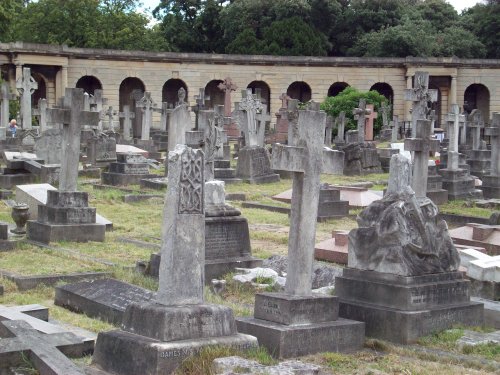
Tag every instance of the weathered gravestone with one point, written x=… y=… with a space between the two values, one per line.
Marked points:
x=479 y=156
x=228 y=86
x=340 y=125
x=180 y=122
x=15 y=171
x=66 y=216
x=26 y=86
x=386 y=131
x=456 y=180
x=254 y=164
x=402 y=277
x=420 y=96
x=101 y=150
x=129 y=169
x=435 y=191
x=280 y=318
x=491 y=181
x=147 y=106
x=127 y=117
x=395 y=129
x=178 y=323
x=200 y=101
x=370 y=119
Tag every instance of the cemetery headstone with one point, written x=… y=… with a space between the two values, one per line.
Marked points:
x=127 y=117
x=372 y=115
x=420 y=96
x=402 y=278
x=101 y=150
x=97 y=103
x=66 y=216
x=478 y=158
x=180 y=122
x=280 y=317
x=491 y=181
x=435 y=191
x=26 y=86
x=177 y=323
x=386 y=131
x=15 y=172
x=340 y=125
x=394 y=129
x=200 y=101
x=128 y=169
x=328 y=131
x=147 y=106
x=360 y=116
x=281 y=128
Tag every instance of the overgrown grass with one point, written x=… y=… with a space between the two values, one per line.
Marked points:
x=464 y=208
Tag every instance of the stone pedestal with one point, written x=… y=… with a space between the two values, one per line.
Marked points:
x=460 y=184
x=160 y=140
x=384 y=155
x=491 y=187
x=149 y=146
x=360 y=159
x=479 y=162
x=101 y=150
x=330 y=205
x=403 y=308
x=254 y=166
x=435 y=191
x=224 y=172
x=65 y=217
x=291 y=326
x=129 y=169
x=155 y=338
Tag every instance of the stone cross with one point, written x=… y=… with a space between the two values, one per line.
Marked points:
x=181 y=275
x=476 y=122
x=292 y=116
x=454 y=118
x=263 y=118
x=110 y=113
x=26 y=86
x=421 y=146
x=493 y=132
x=432 y=117
x=359 y=115
x=370 y=119
x=305 y=158
x=180 y=122
x=385 y=115
x=165 y=111
x=420 y=96
x=227 y=86
x=395 y=129
x=200 y=101
x=328 y=131
x=463 y=130
x=41 y=349
x=340 y=123
x=284 y=100
x=5 y=97
x=97 y=103
x=72 y=116
x=212 y=145
x=220 y=119
x=252 y=129
x=127 y=117
x=41 y=113
x=147 y=107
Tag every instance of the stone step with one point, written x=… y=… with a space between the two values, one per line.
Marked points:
x=224 y=173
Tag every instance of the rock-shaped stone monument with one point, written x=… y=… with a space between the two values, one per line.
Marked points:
x=402 y=277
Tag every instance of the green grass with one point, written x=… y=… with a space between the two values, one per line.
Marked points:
x=463 y=208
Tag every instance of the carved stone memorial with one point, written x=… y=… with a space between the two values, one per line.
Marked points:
x=129 y=169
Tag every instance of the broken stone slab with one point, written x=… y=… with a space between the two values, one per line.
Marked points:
x=473 y=338
x=123 y=149
x=334 y=249
x=468 y=255
x=234 y=364
x=252 y=276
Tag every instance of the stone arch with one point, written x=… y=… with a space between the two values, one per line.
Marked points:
x=41 y=91
x=265 y=92
x=384 y=89
x=216 y=95
x=477 y=96
x=131 y=90
x=337 y=88
x=89 y=84
x=171 y=89
x=299 y=90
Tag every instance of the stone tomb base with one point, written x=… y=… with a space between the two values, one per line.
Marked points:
x=254 y=166
x=460 y=184
x=402 y=309
x=291 y=326
x=164 y=336
x=491 y=187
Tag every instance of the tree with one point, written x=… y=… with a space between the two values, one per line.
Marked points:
x=348 y=100
x=9 y=10
x=439 y=13
x=484 y=21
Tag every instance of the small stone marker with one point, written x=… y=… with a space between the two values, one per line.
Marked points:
x=360 y=115
x=46 y=352
x=26 y=85
x=420 y=96
x=421 y=146
x=127 y=117
x=395 y=129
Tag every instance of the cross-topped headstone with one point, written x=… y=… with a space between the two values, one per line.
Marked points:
x=453 y=119
x=43 y=350
x=252 y=129
x=86 y=101
x=110 y=114
x=420 y=96
x=227 y=86
x=493 y=132
x=181 y=275
x=359 y=115
x=340 y=124
x=395 y=128
x=26 y=85
x=328 y=131
x=201 y=99
x=180 y=122
x=463 y=130
x=305 y=158
x=370 y=119
x=385 y=114
x=147 y=107
x=127 y=117
x=72 y=116
x=97 y=103
x=164 y=111
x=41 y=113
x=284 y=100
x=476 y=122
x=5 y=96
x=292 y=115
x=421 y=146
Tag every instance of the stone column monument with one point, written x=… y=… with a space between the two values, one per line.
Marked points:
x=420 y=96
x=479 y=157
x=178 y=323
x=491 y=181
x=26 y=87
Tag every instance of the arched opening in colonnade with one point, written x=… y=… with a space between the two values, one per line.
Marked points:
x=265 y=92
x=132 y=90
x=477 y=96
x=384 y=89
x=337 y=88
x=436 y=106
x=171 y=89
x=216 y=95
x=299 y=90
x=89 y=84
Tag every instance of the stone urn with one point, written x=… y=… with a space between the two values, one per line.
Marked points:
x=20 y=214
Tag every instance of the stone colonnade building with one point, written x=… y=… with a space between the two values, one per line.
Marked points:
x=470 y=82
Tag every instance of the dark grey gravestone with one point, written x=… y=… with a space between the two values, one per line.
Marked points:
x=101 y=150
x=5 y=244
x=105 y=299
x=254 y=165
x=129 y=169
x=47 y=352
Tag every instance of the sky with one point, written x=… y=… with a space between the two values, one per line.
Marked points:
x=458 y=4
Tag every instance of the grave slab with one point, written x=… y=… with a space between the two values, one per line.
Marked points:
x=124 y=149
x=333 y=249
x=479 y=235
